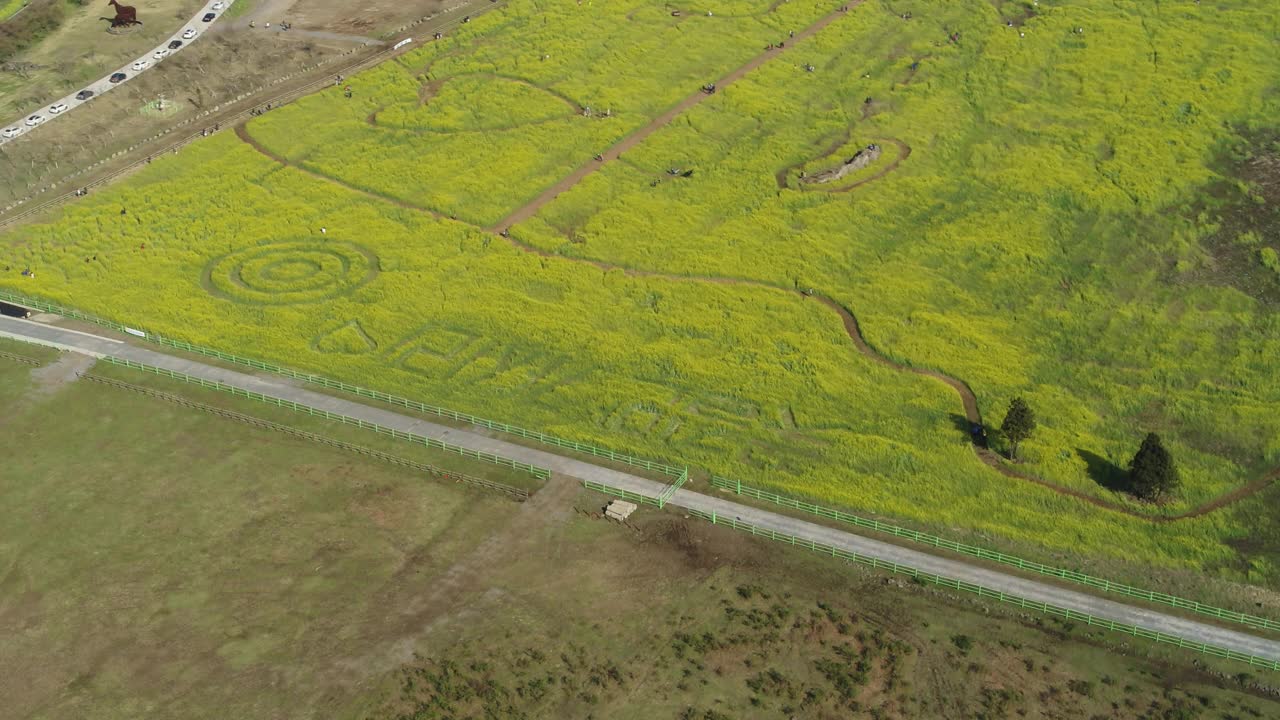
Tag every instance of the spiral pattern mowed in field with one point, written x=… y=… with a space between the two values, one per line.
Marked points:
x=290 y=272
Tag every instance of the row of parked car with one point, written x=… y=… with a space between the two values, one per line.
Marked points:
x=138 y=66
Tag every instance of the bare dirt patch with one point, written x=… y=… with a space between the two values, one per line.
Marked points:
x=1244 y=249
x=48 y=379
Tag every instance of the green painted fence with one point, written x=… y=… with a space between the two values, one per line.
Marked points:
x=19 y=358
x=1253 y=621
x=989 y=593
x=673 y=487
x=540 y=473
x=619 y=492
x=534 y=435
x=659 y=501
x=436 y=410
x=519 y=493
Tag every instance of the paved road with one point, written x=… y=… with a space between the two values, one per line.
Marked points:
x=105 y=85
x=281 y=388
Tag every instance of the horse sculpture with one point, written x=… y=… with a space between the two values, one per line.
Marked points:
x=126 y=15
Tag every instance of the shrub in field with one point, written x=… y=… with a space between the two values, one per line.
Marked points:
x=1270 y=259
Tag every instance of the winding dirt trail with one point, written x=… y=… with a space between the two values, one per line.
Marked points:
x=967 y=397
x=962 y=389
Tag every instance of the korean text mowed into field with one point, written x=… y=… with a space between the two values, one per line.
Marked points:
x=1039 y=224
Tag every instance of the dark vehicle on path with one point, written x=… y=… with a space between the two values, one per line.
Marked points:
x=208 y=17
x=84 y=94
x=17 y=311
x=175 y=44
x=117 y=77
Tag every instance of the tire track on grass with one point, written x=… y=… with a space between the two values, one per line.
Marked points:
x=242 y=132
x=850 y=322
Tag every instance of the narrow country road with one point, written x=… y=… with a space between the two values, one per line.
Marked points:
x=279 y=388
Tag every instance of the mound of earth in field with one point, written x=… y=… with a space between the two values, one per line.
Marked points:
x=845 y=165
x=861 y=159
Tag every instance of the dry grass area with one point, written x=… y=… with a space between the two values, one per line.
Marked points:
x=369 y=17
x=81 y=50
x=160 y=562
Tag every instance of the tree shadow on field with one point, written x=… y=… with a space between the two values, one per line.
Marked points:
x=1104 y=472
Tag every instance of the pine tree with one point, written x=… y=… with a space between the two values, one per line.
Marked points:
x=1018 y=424
x=1152 y=474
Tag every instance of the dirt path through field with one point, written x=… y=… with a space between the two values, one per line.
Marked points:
x=637 y=137
x=242 y=132
x=967 y=398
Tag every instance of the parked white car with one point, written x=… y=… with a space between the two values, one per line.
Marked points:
x=218 y=6
x=189 y=34
x=12 y=132
x=57 y=108
x=35 y=120
x=159 y=54
x=140 y=65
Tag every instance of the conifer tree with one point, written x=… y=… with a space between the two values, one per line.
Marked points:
x=1152 y=474
x=1018 y=424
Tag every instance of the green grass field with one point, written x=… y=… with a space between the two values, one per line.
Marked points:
x=164 y=562
x=1056 y=232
